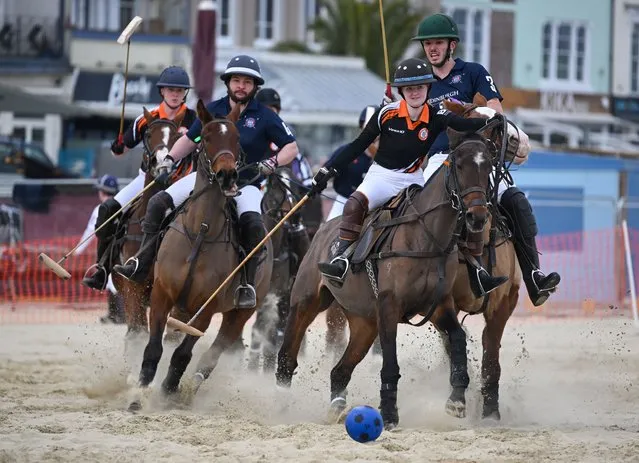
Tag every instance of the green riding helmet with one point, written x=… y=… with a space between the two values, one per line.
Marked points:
x=437 y=26
x=413 y=71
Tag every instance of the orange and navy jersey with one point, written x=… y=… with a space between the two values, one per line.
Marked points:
x=403 y=143
x=135 y=132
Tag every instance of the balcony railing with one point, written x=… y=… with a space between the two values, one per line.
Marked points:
x=31 y=37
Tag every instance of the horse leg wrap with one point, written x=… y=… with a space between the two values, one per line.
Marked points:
x=458 y=359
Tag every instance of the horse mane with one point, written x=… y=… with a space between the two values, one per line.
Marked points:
x=234 y=115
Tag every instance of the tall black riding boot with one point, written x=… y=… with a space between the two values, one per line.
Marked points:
x=97 y=275
x=482 y=282
x=137 y=267
x=355 y=210
x=524 y=228
x=252 y=231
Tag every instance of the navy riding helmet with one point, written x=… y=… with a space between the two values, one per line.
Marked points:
x=243 y=65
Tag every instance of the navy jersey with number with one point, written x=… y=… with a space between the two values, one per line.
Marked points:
x=258 y=126
x=464 y=80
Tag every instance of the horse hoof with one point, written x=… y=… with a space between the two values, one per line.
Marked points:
x=492 y=414
x=337 y=411
x=391 y=426
x=456 y=409
x=135 y=406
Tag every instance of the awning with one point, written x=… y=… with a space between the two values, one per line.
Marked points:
x=14 y=99
x=100 y=93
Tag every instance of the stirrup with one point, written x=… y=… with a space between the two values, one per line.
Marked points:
x=480 y=285
x=236 y=297
x=131 y=260
x=334 y=260
x=98 y=268
x=543 y=275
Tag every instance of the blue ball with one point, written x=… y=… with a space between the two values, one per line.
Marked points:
x=364 y=423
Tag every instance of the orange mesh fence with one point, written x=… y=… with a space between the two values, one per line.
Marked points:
x=30 y=292
x=591 y=264
x=593 y=274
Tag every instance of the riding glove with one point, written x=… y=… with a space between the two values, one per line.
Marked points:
x=117 y=147
x=268 y=166
x=164 y=171
x=320 y=180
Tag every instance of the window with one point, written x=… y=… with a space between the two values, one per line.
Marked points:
x=634 y=58
x=96 y=15
x=265 y=23
x=311 y=11
x=564 y=53
x=474 y=27
x=225 y=20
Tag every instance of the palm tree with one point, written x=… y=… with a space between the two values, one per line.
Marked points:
x=353 y=28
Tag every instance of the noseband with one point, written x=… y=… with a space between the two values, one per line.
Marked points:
x=452 y=184
x=207 y=161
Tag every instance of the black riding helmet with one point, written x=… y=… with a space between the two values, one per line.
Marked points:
x=243 y=65
x=269 y=97
x=412 y=71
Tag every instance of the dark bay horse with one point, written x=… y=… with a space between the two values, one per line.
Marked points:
x=176 y=268
x=498 y=306
x=290 y=243
x=159 y=137
x=416 y=271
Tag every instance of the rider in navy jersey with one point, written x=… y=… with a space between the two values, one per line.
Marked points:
x=460 y=80
x=258 y=127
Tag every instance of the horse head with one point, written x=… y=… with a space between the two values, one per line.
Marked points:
x=469 y=166
x=518 y=143
x=220 y=148
x=282 y=192
x=159 y=138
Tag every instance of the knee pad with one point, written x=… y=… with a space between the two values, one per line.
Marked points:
x=159 y=204
x=519 y=212
x=252 y=228
x=107 y=209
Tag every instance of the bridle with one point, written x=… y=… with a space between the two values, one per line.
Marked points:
x=207 y=161
x=149 y=151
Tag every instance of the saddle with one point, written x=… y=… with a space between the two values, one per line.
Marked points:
x=380 y=227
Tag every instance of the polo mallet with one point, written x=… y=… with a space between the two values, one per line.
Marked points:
x=389 y=92
x=56 y=267
x=125 y=36
x=188 y=327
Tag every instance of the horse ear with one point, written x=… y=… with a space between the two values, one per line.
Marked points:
x=234 y=115
x=203 y=114
x=148 y=116
x=479 y=100
x=454 y=107
x=454 y=138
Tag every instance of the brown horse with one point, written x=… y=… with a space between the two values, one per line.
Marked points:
x=499 y=305
x=290 y=244
x=159 y=137
x=424 y=246
x=185 y=280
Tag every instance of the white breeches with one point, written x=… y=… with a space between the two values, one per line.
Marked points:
x=130 y=191
x=249 y=201
x=437 y=159
x=338 y=207
x=381 y=184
